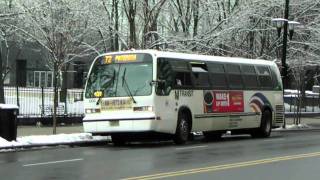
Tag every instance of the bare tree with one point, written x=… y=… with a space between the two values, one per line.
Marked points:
x=6 y=34
x=130 y=9
x=60 y=29
x=113 y=27
x=151 y=11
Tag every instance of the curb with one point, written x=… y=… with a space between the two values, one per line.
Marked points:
x=106 y=141
x=79 y=143
x=308 y=127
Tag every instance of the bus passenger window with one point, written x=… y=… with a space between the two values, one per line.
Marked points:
x=183 y=79
x=165 y=77
x=249 y=77
x=201 y=75
x=235 y=77
x=178 y=82
x=264 y=77
x=218 y=78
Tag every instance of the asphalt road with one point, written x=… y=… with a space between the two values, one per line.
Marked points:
x=285 y=155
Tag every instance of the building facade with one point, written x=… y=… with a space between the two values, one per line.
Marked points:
x=29 y=66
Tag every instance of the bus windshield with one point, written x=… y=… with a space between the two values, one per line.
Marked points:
x=120 y=77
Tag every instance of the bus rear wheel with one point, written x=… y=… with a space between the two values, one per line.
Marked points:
x=265 y=126
x=118 y=140
x=183 y=129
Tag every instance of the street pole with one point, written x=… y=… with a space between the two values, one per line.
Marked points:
x=284 y=51
x=284 y=47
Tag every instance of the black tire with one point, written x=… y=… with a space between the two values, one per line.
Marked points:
x=183 y=129
x=212 y=136
x=118 y=140
x=265 y=126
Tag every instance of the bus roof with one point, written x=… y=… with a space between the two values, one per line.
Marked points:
x=197 y=57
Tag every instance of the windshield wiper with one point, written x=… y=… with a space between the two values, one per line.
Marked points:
x=99 y=100
x=127 y=89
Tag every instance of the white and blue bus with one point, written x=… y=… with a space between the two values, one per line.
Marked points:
x=148 y=91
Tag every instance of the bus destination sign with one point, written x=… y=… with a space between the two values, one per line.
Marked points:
x=124 y=58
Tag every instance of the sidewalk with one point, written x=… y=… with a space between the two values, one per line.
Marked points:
x=47 y=130
x=41 y=136
x=38 y=136
x=313 y=122
x=78 y=128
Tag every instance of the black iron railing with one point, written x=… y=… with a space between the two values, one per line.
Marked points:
x=38 y=102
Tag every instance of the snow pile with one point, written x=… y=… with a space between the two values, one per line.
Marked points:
x=45 y=140
x=294 y=127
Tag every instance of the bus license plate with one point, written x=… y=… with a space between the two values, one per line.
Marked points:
x=114 y=123
x=117 y=104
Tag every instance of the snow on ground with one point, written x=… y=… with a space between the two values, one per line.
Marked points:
x=293 y=127
x=45 y=140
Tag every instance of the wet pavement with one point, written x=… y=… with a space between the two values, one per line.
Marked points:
x=285 y=155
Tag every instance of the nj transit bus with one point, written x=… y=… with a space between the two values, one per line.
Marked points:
x=146 y=91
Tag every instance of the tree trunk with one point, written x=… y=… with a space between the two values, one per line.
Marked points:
x=55 y=96
x=195 y=17
x=1 y=80
x=130 y=10
x=116 y=25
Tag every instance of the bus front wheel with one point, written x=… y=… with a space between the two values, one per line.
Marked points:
x=183 y=129
x=265 y=126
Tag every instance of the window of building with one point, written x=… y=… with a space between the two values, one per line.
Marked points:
x=41 y=79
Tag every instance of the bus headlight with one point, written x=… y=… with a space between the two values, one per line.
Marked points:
x=89 y=111
x=143 y=108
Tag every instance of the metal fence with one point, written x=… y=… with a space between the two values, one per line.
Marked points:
x=311 y=103
x=38 y=102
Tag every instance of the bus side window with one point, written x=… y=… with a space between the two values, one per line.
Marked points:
x=234 y=76
x=264 y=77
x=277 y=85
x=182 y=79
x=164 y=76
x=218 y=79
x=178 y=82
x=250 y=78
x=200 y=74
x=182 y=74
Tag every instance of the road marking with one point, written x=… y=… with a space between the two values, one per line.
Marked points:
x=52 y=162
x=224 y=167
x=190 y=147
x=275 y=139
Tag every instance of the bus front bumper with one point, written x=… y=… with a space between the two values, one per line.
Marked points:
x=115 y=124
